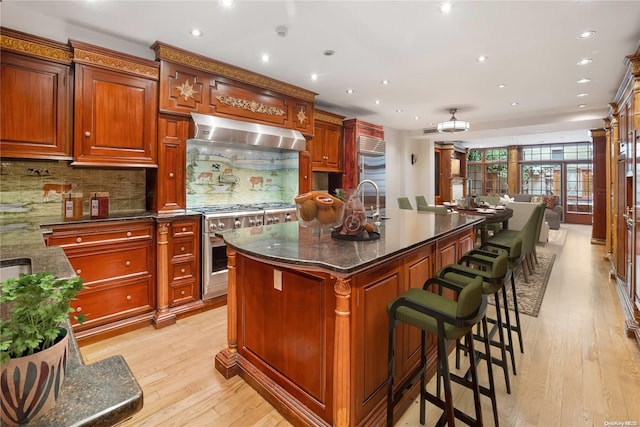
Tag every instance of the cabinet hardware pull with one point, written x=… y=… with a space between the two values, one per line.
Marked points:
x=78 y=272
x=78 y=309
x=79 y=239
x=182 y=249
x=184 y=229
x=128 y=297
x=127 y=263
x=182 y=292
x=87 y=133
x=170 y=174
x=128 y=234
x=182 y=270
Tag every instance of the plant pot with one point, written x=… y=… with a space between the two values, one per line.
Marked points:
x=30 y=385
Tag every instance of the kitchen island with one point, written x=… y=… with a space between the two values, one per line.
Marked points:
x=307 y=320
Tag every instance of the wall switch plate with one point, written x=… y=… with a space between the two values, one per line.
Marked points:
x=277 y=280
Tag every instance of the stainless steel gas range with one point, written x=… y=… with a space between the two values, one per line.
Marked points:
x=219 y=219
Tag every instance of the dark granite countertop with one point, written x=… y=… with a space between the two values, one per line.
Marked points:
x=291 y=243
x=102 y=393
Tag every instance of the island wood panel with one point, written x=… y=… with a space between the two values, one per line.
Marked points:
x=368 y=292
x=285 y=331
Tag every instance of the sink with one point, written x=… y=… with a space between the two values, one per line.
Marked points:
x=10 y=268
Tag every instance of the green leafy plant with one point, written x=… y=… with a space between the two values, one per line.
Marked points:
x=33 y=308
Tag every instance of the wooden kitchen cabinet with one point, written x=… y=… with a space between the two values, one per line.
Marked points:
x=353 y=128
x=117 y=261
x=326 y=145
x=168 y=183
x=36 y=86
x=115 y=108
x=184 y=261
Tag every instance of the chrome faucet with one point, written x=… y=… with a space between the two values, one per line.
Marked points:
x=376 y=214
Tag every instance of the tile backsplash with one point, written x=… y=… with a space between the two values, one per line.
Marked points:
x=225 y=175
x=36 y=187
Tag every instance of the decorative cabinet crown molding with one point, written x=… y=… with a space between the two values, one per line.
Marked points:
x=84 y=53
x=193 y=60
x=27 y=44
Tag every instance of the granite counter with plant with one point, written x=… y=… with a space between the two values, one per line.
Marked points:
x=100 y=394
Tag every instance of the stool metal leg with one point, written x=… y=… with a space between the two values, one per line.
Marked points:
x=516 y=327
x=509 y=330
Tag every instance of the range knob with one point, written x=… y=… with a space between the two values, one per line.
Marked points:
x=270 y=220
x=212 y=227
x=287 y=218
x=258 y=222
x=237 y=223
x=252 y=222
x=276 y=219
x=220 y=226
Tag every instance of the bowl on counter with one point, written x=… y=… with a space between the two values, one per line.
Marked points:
x=319 y=209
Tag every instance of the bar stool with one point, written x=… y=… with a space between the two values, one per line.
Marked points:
x=447 y=320
x=494 y=270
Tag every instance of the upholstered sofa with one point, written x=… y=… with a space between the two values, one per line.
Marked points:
x=553 y=212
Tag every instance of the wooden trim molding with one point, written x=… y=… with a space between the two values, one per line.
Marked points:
x=170 y=53
x=325 y=116
x=84 y=53
x=27 y=44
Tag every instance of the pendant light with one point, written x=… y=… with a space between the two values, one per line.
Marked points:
x=453 y=125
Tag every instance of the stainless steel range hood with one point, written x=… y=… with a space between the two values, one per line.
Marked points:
x=228 y=131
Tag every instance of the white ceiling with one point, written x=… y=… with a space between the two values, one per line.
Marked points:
x=429 y=58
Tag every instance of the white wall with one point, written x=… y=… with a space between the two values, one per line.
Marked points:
x=403 y=178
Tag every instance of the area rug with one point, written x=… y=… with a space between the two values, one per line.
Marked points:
x=530 y=294
x=557 y=237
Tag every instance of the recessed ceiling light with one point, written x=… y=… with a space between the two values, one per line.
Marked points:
x=445 y=7
x=314 y=76
x=587 y=34
x=378 y=102
x=514 y=103
x=580 y=95
x=195 y=32
x=585 y=61
x=329 y=52
x=482 y=58
x=416 y=118
x=227 y=4
x=349 y=91
x=399 y=110
x=265 y=57
x=385 y=82
x=581 y=81
x=582 y=105
x=502 y=86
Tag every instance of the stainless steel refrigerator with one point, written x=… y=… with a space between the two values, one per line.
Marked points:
x=372 y=165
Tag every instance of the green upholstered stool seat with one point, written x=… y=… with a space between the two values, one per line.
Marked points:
x=441 y=210
x=494 y=269
x=421 y=201
x=447 y=319
x=404 y=203
x=466 y=305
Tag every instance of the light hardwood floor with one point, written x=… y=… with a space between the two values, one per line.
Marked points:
x=578 y=369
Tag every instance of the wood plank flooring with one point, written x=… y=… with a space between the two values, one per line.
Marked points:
x=578 y=369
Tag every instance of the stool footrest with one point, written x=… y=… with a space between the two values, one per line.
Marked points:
x=465 y=418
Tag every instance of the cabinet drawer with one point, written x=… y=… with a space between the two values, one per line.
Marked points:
x=183 y=247
x=184 y=228
x=113 y=303
x=181 y=270
x=183 y=293
x=111 y=262
x=86 y=235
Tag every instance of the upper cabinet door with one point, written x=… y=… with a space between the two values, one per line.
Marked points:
x=115 y=119
x=36 y=96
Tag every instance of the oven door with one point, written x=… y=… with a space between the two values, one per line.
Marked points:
x=215 y=274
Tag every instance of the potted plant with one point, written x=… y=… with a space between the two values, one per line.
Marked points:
x=34 y=342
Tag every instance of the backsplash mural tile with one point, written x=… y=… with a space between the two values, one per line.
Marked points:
x=36 y=187
x=223 y=175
